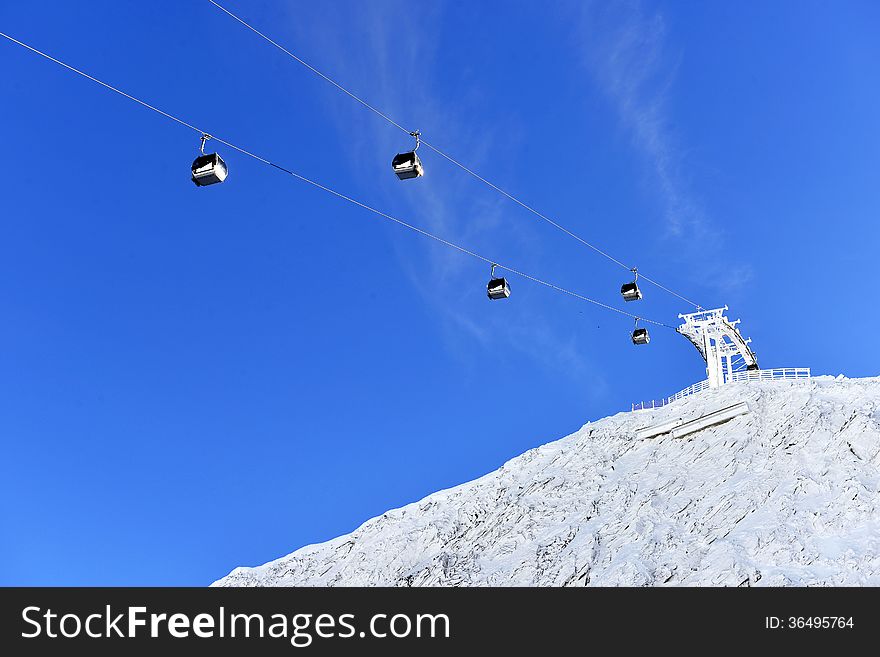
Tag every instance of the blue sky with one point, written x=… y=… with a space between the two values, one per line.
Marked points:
x=196 y=379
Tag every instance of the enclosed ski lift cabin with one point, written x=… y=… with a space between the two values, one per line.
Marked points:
x=630 y=291
x=497 y=287
x=408 y=165
x=640 y=336
x=208 y=169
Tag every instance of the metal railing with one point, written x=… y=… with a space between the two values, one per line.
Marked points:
x=769 y=375
x=736 y=377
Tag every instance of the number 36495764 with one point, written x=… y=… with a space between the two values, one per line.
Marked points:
x=808 y=622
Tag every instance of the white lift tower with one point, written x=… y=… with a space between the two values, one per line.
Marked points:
x=719 y=343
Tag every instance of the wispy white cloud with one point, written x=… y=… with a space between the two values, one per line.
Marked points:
x=391 y=64
x=626 y=49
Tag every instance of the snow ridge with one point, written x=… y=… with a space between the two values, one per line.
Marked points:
x=784 y=495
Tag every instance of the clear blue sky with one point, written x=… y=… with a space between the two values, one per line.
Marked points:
x=196 y=379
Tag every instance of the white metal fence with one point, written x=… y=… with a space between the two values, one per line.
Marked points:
x=736 y=377
x=768 y=375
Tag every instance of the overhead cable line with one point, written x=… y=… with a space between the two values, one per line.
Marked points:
x=448 y=157
x=340 y=195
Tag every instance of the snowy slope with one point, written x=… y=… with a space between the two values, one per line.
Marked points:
x=785 y=495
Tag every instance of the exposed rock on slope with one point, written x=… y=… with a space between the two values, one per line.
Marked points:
x=787 y=494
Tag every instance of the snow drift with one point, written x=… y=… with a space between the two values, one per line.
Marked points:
x=784 y=495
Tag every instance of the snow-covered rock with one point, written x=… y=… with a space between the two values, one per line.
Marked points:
x=784 y=495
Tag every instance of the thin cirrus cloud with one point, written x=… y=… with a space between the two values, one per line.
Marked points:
x=627 y=52
x=370 y=51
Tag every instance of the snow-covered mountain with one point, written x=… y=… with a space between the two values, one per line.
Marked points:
x=784 y=495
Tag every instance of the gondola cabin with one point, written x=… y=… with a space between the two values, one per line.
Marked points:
x=640 y=336
x=630 y=292
x=209 y=169
x=498 y=288
x=407 y=165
